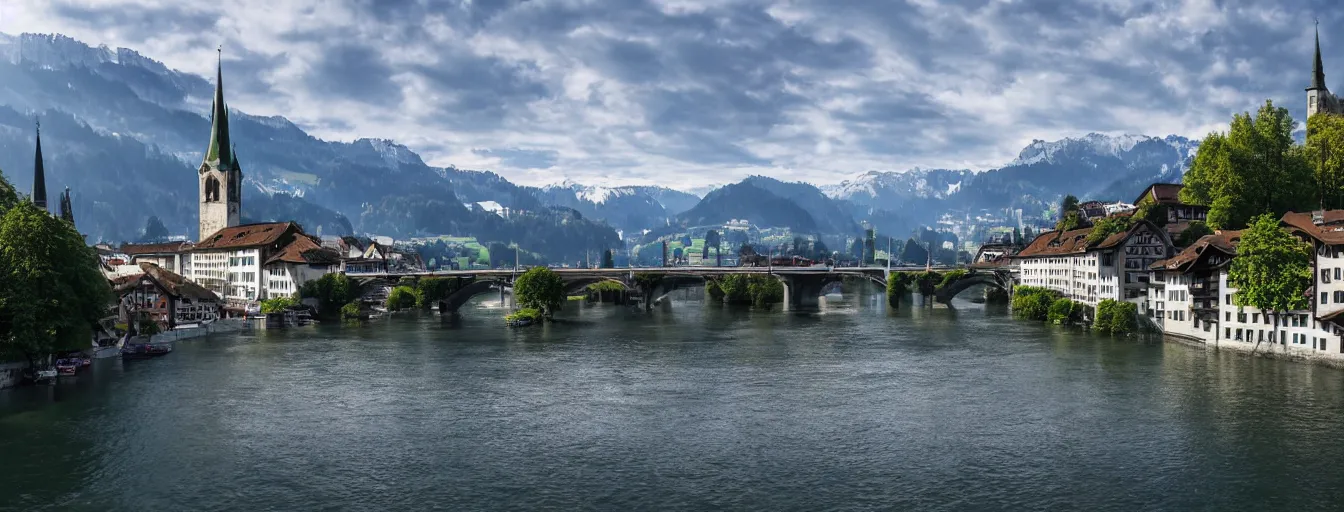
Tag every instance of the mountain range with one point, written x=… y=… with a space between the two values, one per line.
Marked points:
x=126 y=133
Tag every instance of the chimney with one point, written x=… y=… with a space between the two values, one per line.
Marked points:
x=1318 y=217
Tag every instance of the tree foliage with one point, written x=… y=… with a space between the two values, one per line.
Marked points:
x=430 y=290
x=332 y=292
x=1116 y=318
x=1153 y=212
x=1253 y=168
x=898 y=284
x=1109 y=226
x=1325 y=152
x=1033 y=303
x=8 y=196
x=155 y=231
x=1272 y=270
x=757 y=290
x=51 y=289
x=540 y=288
x=1064 y=311
x=278 y=304
x=1193 y=233
x=402 y=297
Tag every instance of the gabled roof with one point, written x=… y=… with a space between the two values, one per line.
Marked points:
x=1330 y=231
x=1162 y=193
x=247 y=235
x=170 y=282
x=1075 y=241
x=1223 y=241
x=306 y=249
x=163 y=248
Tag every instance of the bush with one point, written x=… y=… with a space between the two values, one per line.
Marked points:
x=147 y=327
x=1033 y=303
x=898 y=284
x=351 y=311
x=757 y=290
x=526 y=314
x=402 y=297
x=332 y=291
x=430 y=290
x=278 y=304
x=606 y=286
x=952 y=277
x=1115 y=318
x=928 y=282
x=1064 y=311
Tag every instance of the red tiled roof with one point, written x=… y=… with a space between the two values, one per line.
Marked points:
x=163 y=248
x=1225 y=241
x=1164 y=193
x=171 y=282
x=249 y=235
x=1075 y=241
x=1331 y=230
x=306 y=249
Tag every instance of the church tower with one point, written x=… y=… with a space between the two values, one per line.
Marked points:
x=1318 y=96
x=39 y=196
x=221 y=179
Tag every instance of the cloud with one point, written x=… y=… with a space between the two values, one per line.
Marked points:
x=687 y=92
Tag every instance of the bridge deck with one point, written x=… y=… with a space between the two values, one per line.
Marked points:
x=685 y=271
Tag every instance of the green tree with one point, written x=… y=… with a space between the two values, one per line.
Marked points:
x=277 y=304
x=1325 y=152
x=1272 y=270
x=1033 y=303
x=402 y=297
x=540 y=288
x=1107 y=227
x=1064 y=311
x=1068 y=204
x=1254 y=168
x=1193 y=233
x=332 y=291
x=431 y=290
x=8 y=196
x=52 y=291
x=1153 y=212
x=155 y=231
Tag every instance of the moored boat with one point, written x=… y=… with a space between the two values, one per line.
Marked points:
x=66 y=367
x=140 y=347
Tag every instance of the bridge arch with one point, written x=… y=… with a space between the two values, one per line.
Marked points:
x=573 y=287
x=994 y=279
x=457 y=299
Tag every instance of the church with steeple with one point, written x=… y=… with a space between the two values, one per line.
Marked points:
x=220 y=176
x=1319 y=98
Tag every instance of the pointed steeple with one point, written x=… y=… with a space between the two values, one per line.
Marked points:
x=67 y=211
x=39 y=196
x=1318 y=71
x=219 y=152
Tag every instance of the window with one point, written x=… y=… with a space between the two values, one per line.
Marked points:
x=1336 y=273
x=1325 y=297
x=1325 y=275
x=1228 y=298
x=1227 y=332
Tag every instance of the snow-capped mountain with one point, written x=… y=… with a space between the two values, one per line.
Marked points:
x=924 y=183
x=628 y=209
x=1119 y=146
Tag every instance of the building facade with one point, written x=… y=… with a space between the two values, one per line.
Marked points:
x=1113 y=268
x=254 y=262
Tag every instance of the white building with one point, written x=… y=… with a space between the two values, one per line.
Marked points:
x=1312 y=333
x=172 y=256
x=1114 y=268
x=253 y=262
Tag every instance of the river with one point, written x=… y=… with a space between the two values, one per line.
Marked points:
x=696 y=408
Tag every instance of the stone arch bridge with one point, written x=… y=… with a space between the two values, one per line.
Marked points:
x=803 y=286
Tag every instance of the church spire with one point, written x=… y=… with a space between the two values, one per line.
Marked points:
x=220 y=151
x=39 y=196
x=1318 y=71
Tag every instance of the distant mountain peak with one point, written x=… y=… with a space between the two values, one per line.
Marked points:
x=1099 y=144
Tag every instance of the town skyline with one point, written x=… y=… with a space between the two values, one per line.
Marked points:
x=800 y=99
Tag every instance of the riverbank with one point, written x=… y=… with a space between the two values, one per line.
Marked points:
x=11 y=373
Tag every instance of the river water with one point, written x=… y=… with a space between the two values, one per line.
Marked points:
x=693 y=408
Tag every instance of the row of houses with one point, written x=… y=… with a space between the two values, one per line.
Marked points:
x=1185 y=293
x=249 y=263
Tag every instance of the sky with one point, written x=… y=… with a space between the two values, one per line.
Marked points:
x=690 y=93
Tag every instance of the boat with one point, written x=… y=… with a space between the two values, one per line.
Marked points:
x=41 y=375
x=140 y=347
x=66 y=367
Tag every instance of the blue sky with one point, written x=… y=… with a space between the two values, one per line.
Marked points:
x=688 y=93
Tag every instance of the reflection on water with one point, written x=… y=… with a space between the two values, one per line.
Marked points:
x=697 y=407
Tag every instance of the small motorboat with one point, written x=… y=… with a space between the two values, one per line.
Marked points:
x=140 y=347
x=42 y=375
x=66 y=367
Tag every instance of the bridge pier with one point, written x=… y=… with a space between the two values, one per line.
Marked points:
x=802 y=293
